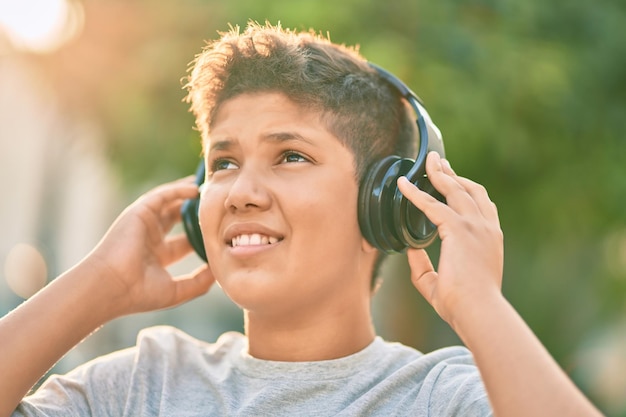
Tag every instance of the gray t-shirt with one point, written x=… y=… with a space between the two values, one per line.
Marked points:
x=169 y=373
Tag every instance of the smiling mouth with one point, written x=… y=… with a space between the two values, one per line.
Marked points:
x=254 y=239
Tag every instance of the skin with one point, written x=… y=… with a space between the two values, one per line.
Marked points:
x=307 y=201
x=126 y=273
x=275 y=170
x=520 y=376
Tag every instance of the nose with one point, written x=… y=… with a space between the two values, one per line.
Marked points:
x=248 y=191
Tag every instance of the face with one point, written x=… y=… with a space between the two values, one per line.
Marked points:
x=278 y=211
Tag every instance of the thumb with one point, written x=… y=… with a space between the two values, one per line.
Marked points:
x=194 y=284
x=423 y=274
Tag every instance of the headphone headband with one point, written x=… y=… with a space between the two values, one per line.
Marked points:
x=387 y=219
x=419 y=168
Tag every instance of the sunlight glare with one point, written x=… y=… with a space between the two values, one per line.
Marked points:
x=40 y=25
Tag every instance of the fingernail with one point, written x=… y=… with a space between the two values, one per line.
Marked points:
x=437 y=157
x=446 y=165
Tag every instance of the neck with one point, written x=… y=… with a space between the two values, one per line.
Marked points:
x=331 y=334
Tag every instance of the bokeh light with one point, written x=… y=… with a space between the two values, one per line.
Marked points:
x=40 y=25
x=25 y=270
x=615 y=253
x=602 y=361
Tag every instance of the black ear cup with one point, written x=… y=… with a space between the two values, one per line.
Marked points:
x=376 y=196
x=387 y=219
x=191 y=222
x=415 y=229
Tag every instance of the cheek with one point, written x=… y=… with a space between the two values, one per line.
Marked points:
x=326 y=237
x=208 y=214
x=329 y=215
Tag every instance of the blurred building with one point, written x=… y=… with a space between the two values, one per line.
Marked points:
x=59 y=190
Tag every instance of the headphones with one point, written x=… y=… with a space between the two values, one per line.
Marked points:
x=386 y=218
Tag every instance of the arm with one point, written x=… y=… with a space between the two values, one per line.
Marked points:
x=520 y=376
x=124 y=274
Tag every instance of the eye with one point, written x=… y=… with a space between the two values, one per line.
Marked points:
x=293 y=156
x=221 y=164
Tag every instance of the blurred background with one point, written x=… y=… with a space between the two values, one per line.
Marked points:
x=530 y=97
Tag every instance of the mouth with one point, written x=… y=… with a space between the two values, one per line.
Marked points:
x=253 y=239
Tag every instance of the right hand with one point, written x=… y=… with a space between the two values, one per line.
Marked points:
x=132 y=257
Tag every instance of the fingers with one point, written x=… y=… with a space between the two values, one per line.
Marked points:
x=434 y=209
x=177 y=247
x=471 y=240
x=463 y=196
x=160 y=207
x=170 y=215
x=165 y=194
x=193 y=285
x=477 y=191
x=448 y=184
x=423 y=273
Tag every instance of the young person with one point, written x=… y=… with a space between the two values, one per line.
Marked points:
x=290 y=125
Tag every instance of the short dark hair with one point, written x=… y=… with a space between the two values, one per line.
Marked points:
x=357 y=105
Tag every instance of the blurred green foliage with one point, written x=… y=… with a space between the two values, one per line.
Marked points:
x=530 y=97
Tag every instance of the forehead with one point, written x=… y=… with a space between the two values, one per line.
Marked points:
x=260 y=99
x=271 y=114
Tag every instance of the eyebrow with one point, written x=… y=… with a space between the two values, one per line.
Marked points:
x=221 y=145
x=279 y=137
x=287 y=137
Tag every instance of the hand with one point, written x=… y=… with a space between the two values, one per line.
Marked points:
x=471 y=259
x=132 y=257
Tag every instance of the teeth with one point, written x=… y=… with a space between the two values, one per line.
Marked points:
x=253 y=239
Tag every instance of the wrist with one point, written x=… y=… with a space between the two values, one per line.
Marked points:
x=473 y=311
x=96 y=285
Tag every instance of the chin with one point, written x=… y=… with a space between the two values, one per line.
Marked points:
x=253 y=291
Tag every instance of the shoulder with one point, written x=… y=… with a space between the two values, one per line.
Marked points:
x=445 y=381
x=454 y=384
x=425 y=372
x=136 y=376
x=450 y=356
x=449 y=367
x=167 y=341
x=403 y=355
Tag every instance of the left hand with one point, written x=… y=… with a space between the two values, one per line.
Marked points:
x=471 y=259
